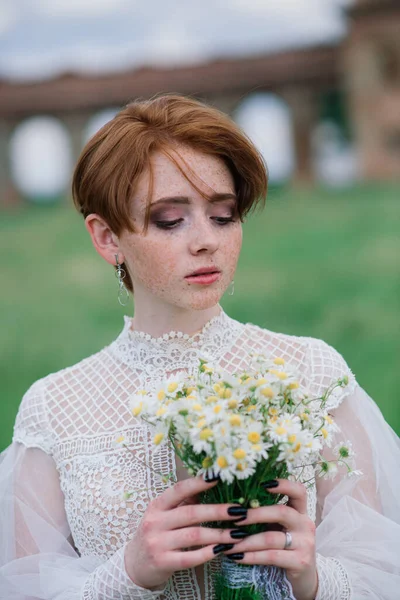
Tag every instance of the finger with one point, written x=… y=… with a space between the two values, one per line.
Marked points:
x=184 y=516
x=287 y=516
x=295 y=491
x=269 y=540
x=276 y=558
x=181 y=491
x=190 y=537
x=191 y=558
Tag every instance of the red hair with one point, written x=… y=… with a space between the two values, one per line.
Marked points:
x=114 y=158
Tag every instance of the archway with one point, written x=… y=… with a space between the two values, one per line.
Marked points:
x=266 y=120
x=41 y=159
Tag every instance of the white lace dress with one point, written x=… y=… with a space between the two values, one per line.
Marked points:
x=65 y=525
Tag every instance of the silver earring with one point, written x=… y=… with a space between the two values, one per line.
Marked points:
x=120 y=274
x=232 y=288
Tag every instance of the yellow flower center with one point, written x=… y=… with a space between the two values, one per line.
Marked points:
x=137 y=409
x=172 y=387
x=120 y=439
x=280 y=430
x=272 y=411
x=197 y=407
x=211 y=399
x=161 y=395
x=239 y=453
x=297 y=447
x=235 y=420
x=206 y=434
x=267 y=392
x=158 y=438
x=225 y=393
x=294 y=385
x=304 y=416
x=232 y=404
x=324 y=432
x=241 y=466
x=329 y=419
x=261 y=381
x=201 y=423
x=254 y=437
x=279 y=361
x=207 y=462
x=282 y=375
x=217 y=409
x=292 y=438
x=222 y=462
x=161 y=411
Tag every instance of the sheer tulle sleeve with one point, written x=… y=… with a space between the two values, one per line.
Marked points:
x=38 y=559
x=358 y=518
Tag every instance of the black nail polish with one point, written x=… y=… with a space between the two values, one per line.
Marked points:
x=211 y=479
x=238 y=534
x=222 y=547
x=237 y=556
x=272 y=483
x=239 y=511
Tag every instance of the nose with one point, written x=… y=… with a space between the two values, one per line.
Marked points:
x=204 y=237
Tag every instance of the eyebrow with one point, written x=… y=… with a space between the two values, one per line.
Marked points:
x=185 y=200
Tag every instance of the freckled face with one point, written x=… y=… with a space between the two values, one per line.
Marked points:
x=186 y=232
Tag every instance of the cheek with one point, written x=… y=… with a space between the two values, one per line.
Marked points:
x=231 y=247
x=152 y=262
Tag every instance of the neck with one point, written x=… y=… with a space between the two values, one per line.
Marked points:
x=157 y=320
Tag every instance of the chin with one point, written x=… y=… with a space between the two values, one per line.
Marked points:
x=205 y=300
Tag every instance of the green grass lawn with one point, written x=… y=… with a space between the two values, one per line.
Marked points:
x=316 y=262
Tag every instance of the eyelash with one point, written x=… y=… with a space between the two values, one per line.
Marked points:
x=172 y=224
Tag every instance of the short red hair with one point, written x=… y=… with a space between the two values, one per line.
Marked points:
x=113 y=159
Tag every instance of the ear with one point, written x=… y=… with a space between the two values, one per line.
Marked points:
x=104 y=240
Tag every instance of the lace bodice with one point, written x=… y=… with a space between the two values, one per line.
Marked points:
x=75 y=414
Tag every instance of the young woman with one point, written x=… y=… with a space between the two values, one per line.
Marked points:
x=163 y=189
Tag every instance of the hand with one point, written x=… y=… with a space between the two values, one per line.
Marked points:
x=171 y=525
x=268 y=548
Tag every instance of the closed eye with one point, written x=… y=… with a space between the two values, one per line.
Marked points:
x=168 y=224
x=172 y=224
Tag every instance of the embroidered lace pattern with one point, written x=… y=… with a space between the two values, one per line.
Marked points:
x=333 y=581
x=75 y=414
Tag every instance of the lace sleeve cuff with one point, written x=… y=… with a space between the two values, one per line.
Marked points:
x=111 y=582
x=333 y=582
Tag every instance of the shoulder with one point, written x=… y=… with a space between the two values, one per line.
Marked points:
x=51 y=396
x=319 y=363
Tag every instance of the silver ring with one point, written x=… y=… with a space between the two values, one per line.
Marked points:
x=288 y=540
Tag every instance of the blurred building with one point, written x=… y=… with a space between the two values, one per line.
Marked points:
x=364 y=70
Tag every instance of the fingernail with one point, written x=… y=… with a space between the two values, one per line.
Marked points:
x=239 y=511
x=237 y=556
x=272 y=483
x=239 y=534
x=222 y=547
x=211 y=479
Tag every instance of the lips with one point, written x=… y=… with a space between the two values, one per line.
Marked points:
x=204 y=271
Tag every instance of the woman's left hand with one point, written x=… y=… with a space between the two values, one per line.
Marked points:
x=268 y=548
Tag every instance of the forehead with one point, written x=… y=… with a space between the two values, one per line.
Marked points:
x=192 y=169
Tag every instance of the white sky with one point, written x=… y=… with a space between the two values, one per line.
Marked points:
x=39 y=38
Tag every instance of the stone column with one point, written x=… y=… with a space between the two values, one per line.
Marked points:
x=9 y=196
x=303 y=105
x=75 y=124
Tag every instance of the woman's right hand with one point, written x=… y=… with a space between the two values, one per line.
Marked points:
x=170 y=525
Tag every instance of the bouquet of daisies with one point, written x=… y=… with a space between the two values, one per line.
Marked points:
x=247 y=427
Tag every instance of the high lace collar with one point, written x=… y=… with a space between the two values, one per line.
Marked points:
x=156 y=356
